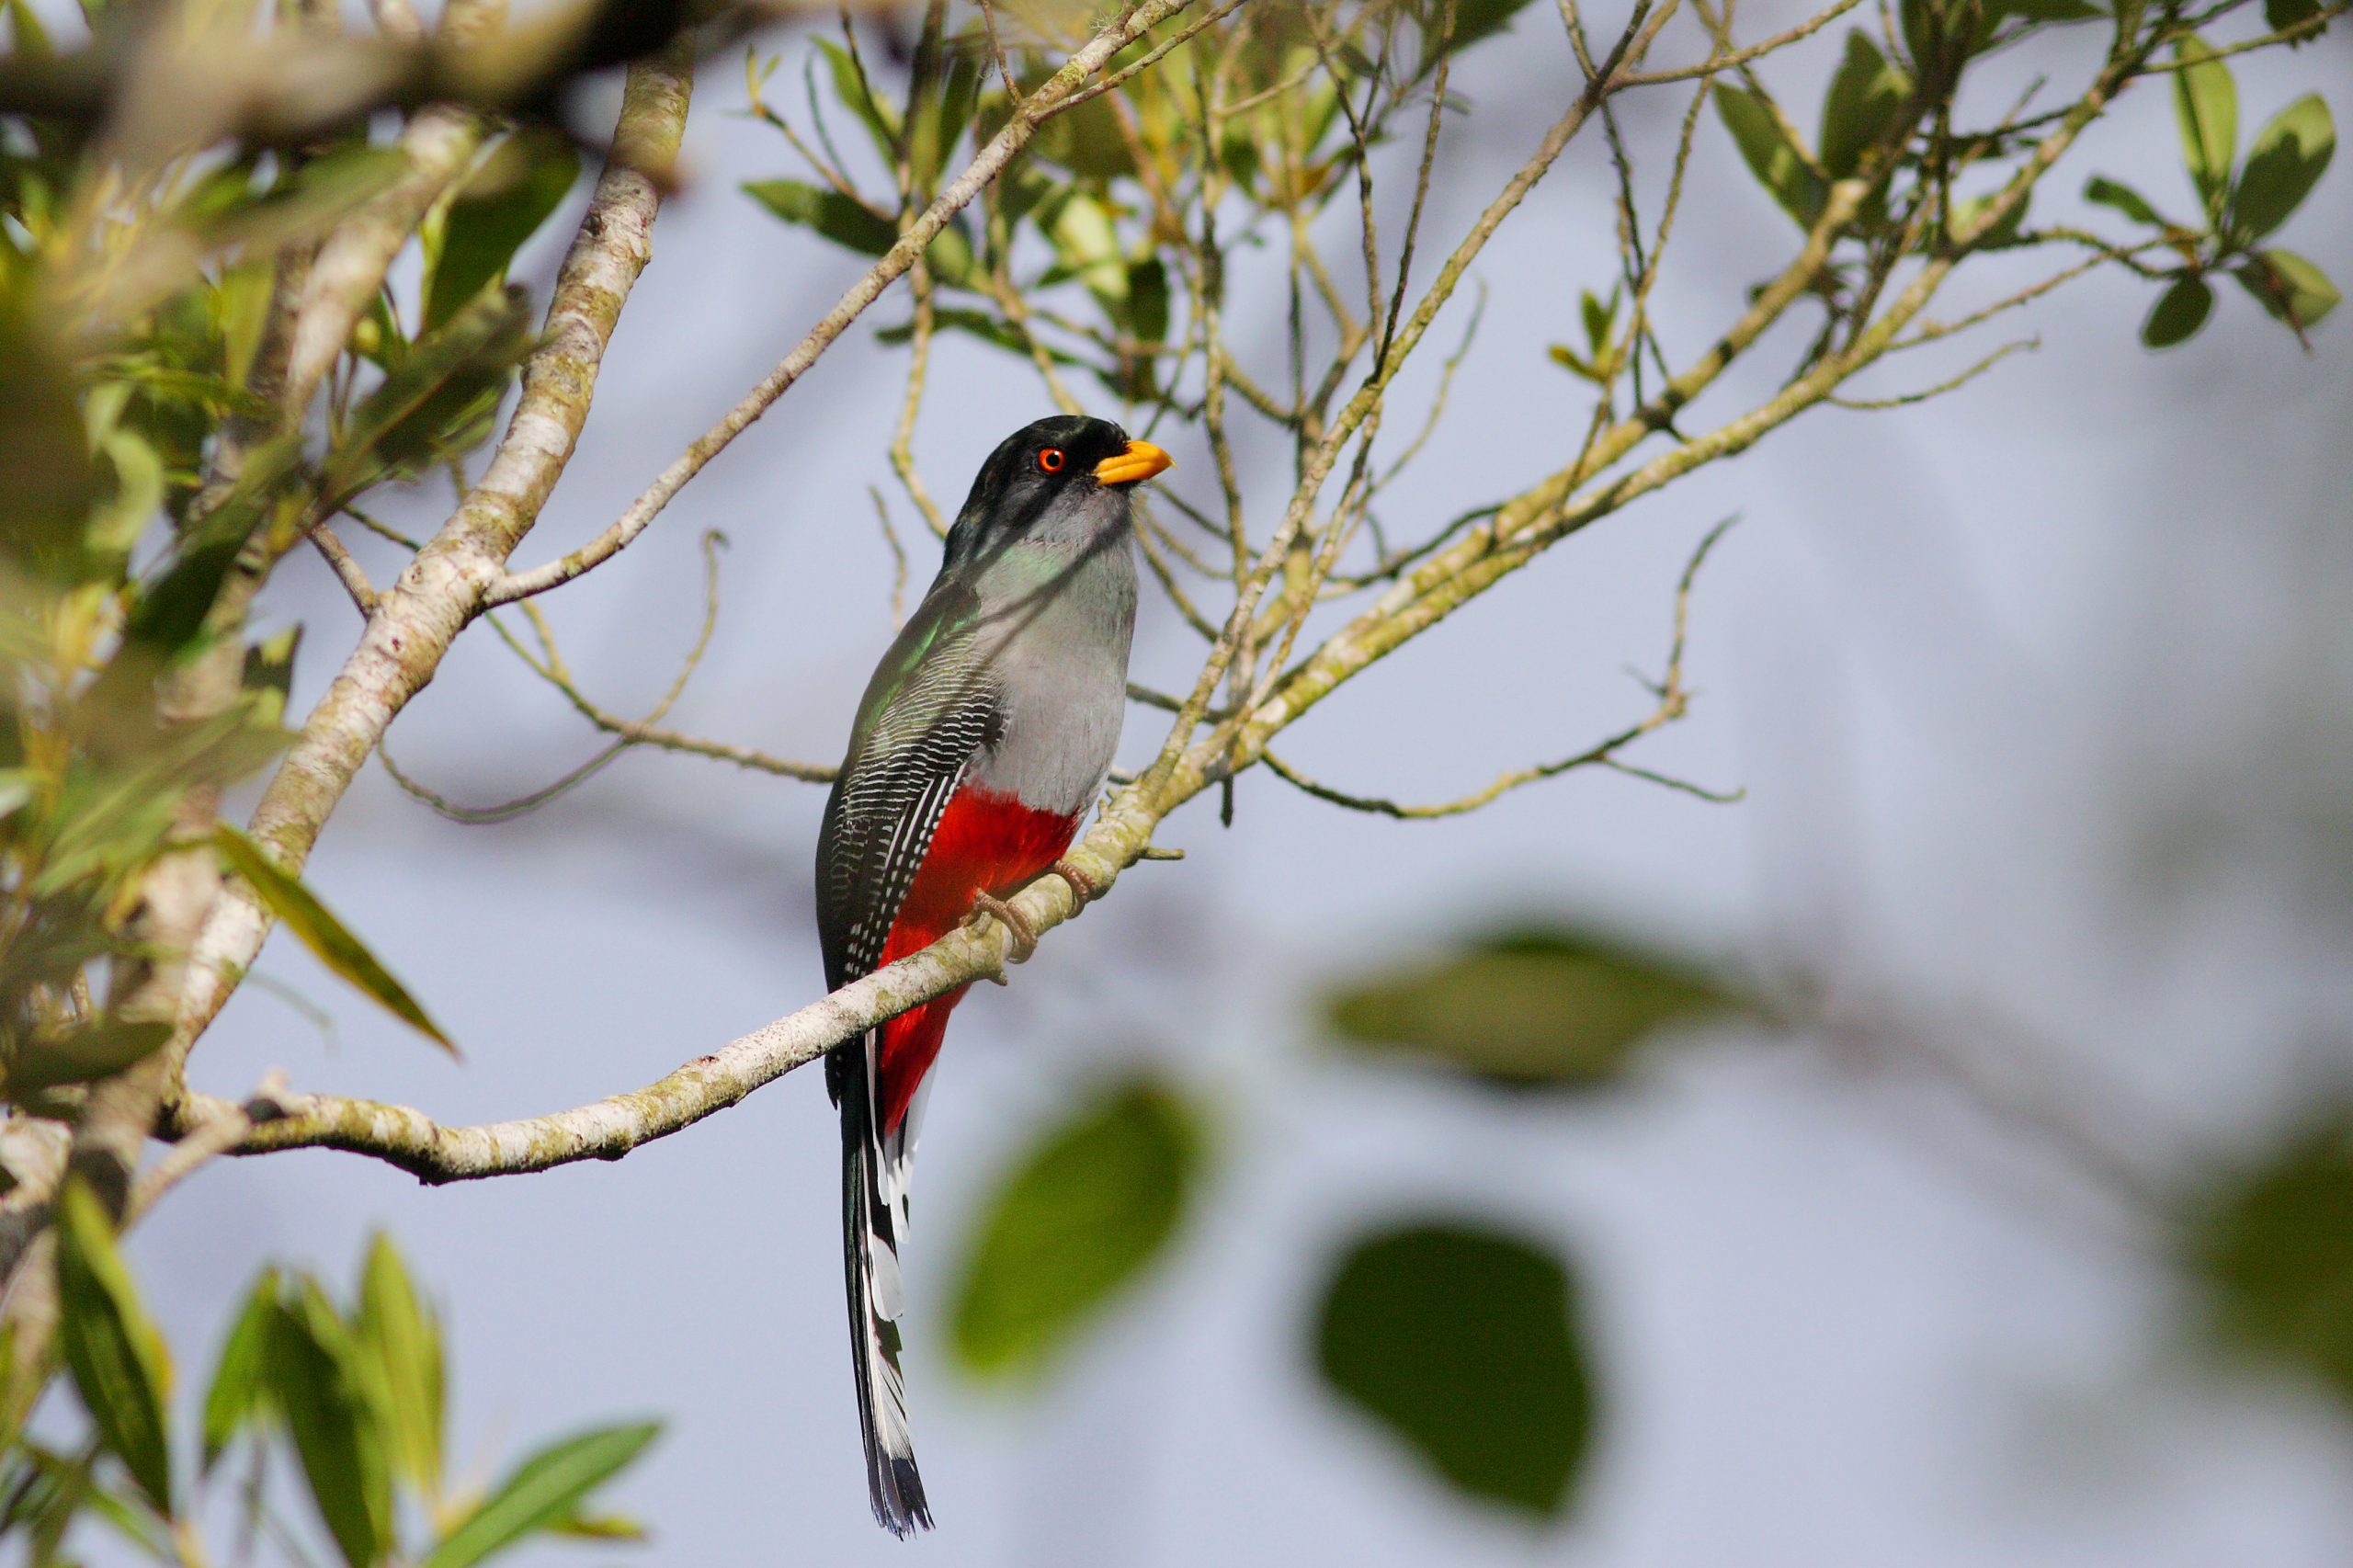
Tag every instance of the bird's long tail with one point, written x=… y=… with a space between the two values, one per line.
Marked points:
x=873 y=1215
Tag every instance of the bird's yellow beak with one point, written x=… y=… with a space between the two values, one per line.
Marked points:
x=1138 y=462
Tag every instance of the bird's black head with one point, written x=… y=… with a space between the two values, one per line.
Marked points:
x=1059 y=481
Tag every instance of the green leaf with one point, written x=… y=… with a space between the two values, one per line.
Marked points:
x=2206 y=101
x=1867 y=95
x=2287 y=162
x=854 y=226
x=1968 y=214
x=400 y=1331
x=2288 y=286
x=499 y=207
x=239 y=1382
x=1536 y=1006
x=327 y=937
x=1779 y=163
x=96 y=1049
x=1088 y=245
x=944 y=115
x=315 y=192
x=270 y=674
x=2124 y=199
x=2040 y=12
x=848 y=223
x=436 y=401
x=542 y=1493
x=111 y=1346
x=2273 y=1244
x=318 y=1384
x=43 y=449
x=850 y=86
x=1472 y=20
x=1461 y=1340
x=2279 y=15
x=1079 y=1217
x=2178 y=313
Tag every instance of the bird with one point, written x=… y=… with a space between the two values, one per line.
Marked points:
x=984 y=735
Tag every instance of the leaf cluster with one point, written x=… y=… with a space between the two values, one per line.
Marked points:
x=349 y=1398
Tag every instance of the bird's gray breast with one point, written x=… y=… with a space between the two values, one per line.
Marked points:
x=1054 y=638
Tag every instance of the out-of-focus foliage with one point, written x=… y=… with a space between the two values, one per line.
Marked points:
x=2274 y=1248
x=153 y=484
x=349 y=1399
x=1091 y=1205
x=1542 y=1006
x=1462 y=1341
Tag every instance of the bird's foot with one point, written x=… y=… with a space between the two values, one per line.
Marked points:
x=1087 y=889
x=1025 y=937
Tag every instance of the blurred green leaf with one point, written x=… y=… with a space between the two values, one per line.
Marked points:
x=318 y=1383
x=944 y=110
x=500 y=206
x=1535 y=1006
x=270 y=674
x=2281 y=15
x=399 y=1330
x=1088 y=245
x=848 y=223
x=43 y=449
x=2041 y=12
x=98 y=1049
x=2206 y=101
x=2178 y=313
x=850 y=86
x=542 y=1493
x=1867 y=94
x=327 y=937
x=2124 y=199
x=854 y=226
x=239 y=1380
x=436 y=401
x=1083 y=1213
x=1779 y=163
x=2287 y=162
x=112 y=1348
x=314 y=192
x=2273 y=1244
x=1461 y=1340
x=2288 y=286
x=1967 y=214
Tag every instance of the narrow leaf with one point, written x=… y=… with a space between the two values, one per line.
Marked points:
x=1462 y=1341
x=400 y=1330
x=96 y=1049
x=433 y=403
x=2206 y=101
x=502 y=204
x=2288 y=161
x=235 y=1397
x=2124 y=199
x=2178 y=313
x=1867 y=93
x=1778 y=163
x=543 y=1492
x=318 y=1387
x=116 y=1356
x=1080 y=1215
x=327 y=937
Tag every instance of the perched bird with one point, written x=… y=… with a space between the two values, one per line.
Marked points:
x=982 y=740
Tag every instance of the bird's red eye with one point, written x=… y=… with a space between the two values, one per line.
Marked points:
x=1052 y=459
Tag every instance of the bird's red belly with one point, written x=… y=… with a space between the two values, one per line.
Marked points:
x=984 y=843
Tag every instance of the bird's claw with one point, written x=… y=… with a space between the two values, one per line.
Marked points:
x=1085 y=887
x=1024 y=936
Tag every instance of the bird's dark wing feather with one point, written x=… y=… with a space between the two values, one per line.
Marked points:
x=927 y=712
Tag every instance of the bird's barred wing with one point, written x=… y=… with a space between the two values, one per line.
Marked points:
x=927 y=713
